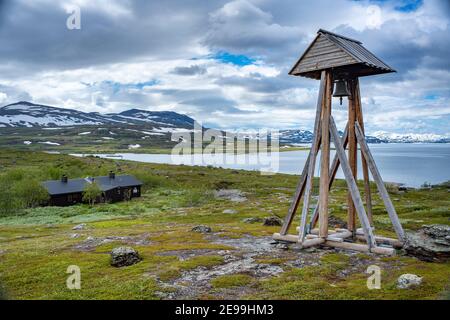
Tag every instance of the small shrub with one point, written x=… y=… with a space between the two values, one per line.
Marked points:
x=31 y=193
x=91 y=193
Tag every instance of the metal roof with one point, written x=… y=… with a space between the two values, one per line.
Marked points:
x=105 y=183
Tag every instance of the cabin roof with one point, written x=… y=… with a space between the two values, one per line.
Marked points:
x=345 y=55
x=105 y=183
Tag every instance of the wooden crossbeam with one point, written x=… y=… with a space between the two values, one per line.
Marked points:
x=380 y=184
x=351 y=183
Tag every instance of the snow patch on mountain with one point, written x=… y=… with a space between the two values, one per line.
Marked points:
x=410 y=137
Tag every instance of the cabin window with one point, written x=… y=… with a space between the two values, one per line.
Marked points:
x=135 y=190
x=69 y=198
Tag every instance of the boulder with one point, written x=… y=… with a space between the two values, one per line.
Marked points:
x=124 y=256
x=408 y=280
x=230 y=194
x=272 y=221
x=229 y=211
x=430 y=243
x=252 y=220
x=336 y=222
x=201 y=229
x=80 y=226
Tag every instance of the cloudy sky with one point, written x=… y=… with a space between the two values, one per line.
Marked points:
x=224 y=62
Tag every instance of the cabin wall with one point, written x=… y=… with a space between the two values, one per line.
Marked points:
x=65 y=199
x=114 y=195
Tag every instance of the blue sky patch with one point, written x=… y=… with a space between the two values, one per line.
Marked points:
x=401 y=5
x=116 y=86
x=239 y=59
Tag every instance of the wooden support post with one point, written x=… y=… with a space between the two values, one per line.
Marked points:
x=333 y=170
x=312 y=154
x=365 y=170
x=379 y=182
x=325 y=159
x=351 y=183
x=312 y=162
x=352 y=155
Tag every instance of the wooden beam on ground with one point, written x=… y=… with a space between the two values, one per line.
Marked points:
x=383 y=240
x=333 y=170
x=379 y=182
x=365 y=170
x=325 y=159
x=285 y=237
x=312 y=154
x=351 y=183
x=352 y=156
x=359 y=247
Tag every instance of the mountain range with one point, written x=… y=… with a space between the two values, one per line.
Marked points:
x=25 y=114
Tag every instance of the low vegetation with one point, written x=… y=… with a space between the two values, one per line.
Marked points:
x=37 y=244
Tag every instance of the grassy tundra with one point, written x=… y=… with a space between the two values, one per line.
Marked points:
x=37 y=244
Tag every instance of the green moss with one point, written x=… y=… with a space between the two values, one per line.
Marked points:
x=231 y=280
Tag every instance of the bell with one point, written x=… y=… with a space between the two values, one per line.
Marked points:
x=341 y=90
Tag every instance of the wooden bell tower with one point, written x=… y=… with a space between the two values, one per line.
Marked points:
x=330 y=58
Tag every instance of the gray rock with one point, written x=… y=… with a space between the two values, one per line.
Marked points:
x=201 y=229
x=408 y=280
x=74 y=235
x=437 y=231
x=272 y=221
x=124 y=256
x=81 y=226
x=252 y=220
x=429 y=244
x=230 y=194
x=229 y=211
x=282 y=246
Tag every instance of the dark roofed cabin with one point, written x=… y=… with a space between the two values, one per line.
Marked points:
x=66 y=192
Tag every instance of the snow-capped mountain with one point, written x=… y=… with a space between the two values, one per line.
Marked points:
x=293 y=137
x=27 y=114
x=411 y=137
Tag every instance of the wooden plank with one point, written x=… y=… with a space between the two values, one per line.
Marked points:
x=352 y=156
x=325 y=159
x=333 y=171
x=312 y=164
x=285 y=237
x=383 y=240
x=380 y=184
x=359 y=247
x=352 y=185
x=325 y=55
x=312 y=242
x=365 y=170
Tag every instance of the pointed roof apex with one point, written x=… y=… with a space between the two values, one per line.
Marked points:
x=345 y=56
x=323 y=31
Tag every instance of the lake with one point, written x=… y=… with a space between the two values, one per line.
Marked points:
x=409 y=164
